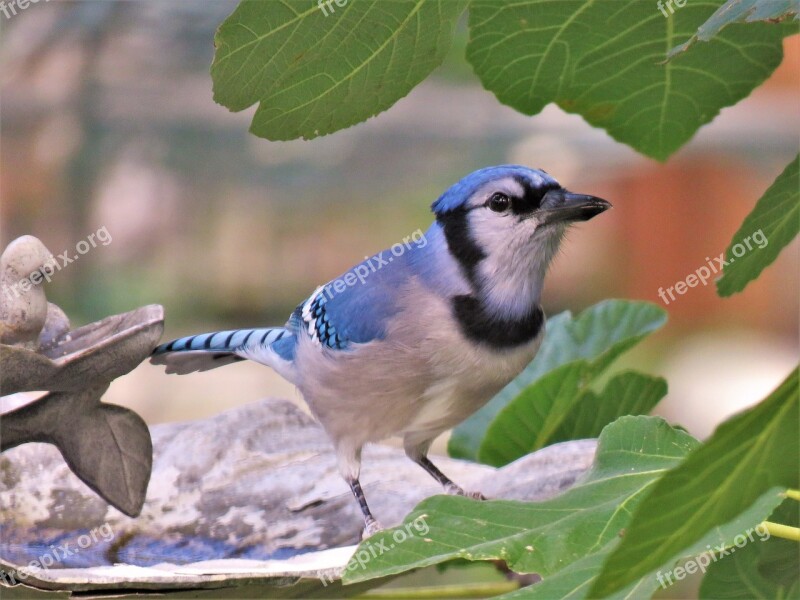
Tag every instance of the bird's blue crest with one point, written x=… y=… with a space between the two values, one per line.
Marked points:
x=458 y=193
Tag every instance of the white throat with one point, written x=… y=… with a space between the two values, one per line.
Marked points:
x=511 y=277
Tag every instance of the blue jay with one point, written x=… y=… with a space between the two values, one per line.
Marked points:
x=410 y=343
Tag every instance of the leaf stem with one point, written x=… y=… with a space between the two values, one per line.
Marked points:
x=782 y=531
x=793 y=494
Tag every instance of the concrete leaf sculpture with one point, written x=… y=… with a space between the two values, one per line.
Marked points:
x=108 y=447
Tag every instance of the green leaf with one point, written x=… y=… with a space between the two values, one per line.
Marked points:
x=528 y=421
x=559 y=407
x=774 y=222
x=574 y=582
x=605 y=61
x=629 y=393
x=315 y=70
x=563 y=539
x=747 y=455
x=632 y=453
x=765 y=570
x=741 y=11
x=599 y=334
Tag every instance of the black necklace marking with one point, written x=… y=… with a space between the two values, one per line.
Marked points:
x=460 y=243
x=500 y=333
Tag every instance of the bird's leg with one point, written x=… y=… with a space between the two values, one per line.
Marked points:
x=448 y=484
x=416 y=447
x=433 y=471
x=371 y=524
x=348 y=456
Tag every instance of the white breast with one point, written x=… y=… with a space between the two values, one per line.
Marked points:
x=466 y=375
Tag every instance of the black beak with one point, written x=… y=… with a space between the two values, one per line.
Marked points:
x=563 y=206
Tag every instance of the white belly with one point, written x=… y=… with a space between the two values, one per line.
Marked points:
x=474 y=376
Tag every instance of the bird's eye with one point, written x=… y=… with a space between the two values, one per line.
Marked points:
x=499 y=202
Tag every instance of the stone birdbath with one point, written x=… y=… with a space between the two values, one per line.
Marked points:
x=248 y=503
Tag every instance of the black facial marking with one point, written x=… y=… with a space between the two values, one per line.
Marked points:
x=461 y=245
x=500 y=333
x=532 y=198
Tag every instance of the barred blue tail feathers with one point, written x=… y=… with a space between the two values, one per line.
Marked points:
x=211 y=350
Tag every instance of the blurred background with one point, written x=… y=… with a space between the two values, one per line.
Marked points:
x=107 y=121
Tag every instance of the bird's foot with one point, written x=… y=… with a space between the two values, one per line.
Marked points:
x=476 y=496
x=455 y=490
x=371 y=528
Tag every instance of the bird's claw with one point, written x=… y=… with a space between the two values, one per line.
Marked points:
x=371 y=528
x=455 y=490
x=475 y=496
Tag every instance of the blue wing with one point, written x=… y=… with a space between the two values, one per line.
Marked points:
x=355 y=307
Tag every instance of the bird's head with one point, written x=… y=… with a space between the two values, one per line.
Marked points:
x=504 y=224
